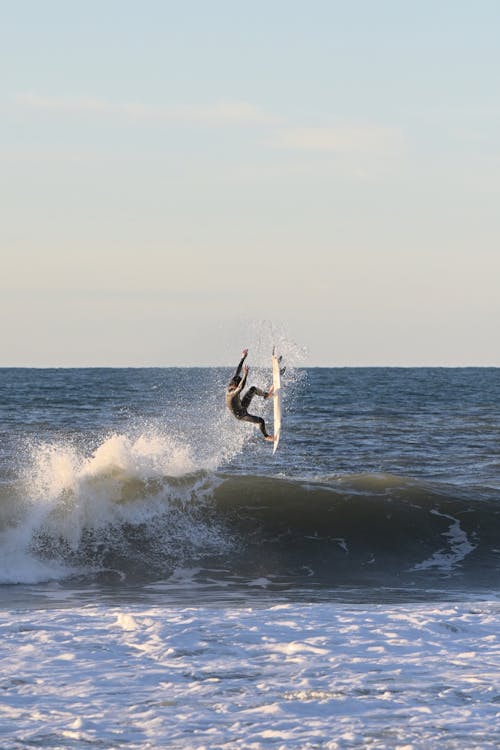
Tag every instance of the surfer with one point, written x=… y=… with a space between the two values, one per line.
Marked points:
x=238 y=405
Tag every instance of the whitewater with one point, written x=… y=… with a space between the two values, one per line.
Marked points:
x=166 y=582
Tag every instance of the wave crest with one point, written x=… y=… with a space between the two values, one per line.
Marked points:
x=133 y=503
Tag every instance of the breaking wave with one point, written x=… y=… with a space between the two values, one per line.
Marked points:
x=142 y=509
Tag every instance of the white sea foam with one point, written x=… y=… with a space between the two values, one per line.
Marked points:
x=286 y=676
x=458 y=548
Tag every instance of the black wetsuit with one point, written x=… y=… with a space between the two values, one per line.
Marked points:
x=238 y=406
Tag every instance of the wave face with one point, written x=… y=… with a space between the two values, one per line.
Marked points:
x=361 y=529
x=119 y=517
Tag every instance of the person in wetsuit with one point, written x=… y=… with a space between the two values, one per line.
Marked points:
x=238 y=405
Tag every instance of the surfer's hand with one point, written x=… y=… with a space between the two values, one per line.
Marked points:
x=244 y=353
x=245 y=369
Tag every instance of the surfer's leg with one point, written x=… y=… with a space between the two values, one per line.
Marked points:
x=253 y=391
x=257 y=420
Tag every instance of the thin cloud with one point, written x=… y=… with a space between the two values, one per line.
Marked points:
x=356 y=141
x=223 y=112
x=74 y=105
x=341 y=140
x=233 y=112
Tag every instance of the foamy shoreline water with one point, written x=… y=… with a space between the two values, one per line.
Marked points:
x=283 y=676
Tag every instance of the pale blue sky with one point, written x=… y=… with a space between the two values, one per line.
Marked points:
x=172 y=173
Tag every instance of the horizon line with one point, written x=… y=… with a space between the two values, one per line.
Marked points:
x=231 y=365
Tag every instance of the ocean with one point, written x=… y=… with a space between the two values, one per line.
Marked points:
x=166 y=582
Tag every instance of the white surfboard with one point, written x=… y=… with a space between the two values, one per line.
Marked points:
x=276 y=399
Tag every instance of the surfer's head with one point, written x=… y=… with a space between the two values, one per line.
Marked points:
x=234 y=382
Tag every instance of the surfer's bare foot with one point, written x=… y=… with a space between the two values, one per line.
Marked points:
x=270 y=391
x=270 y=438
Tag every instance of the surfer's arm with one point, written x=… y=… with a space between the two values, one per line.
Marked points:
x=234 y=390
x=238 y=369
x=244 y=378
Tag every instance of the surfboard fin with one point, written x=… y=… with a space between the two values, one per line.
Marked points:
x=280 y=360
